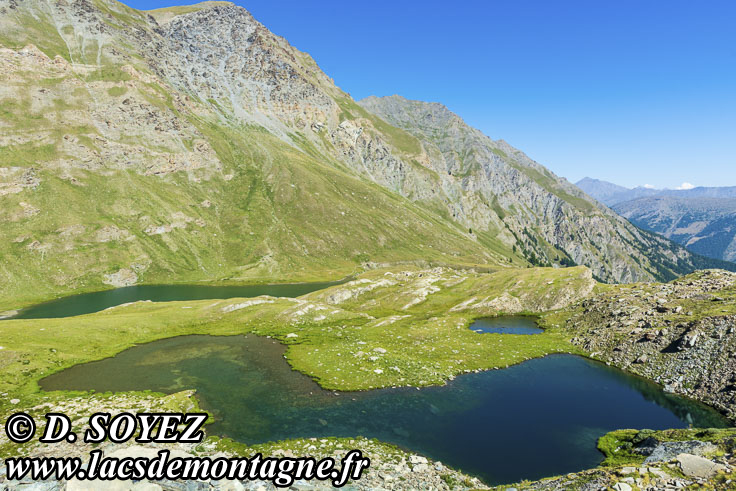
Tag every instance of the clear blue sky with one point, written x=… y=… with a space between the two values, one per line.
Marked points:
x=632 y=91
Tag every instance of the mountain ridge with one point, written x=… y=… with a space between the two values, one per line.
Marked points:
x=611 y=194
x=562 y=216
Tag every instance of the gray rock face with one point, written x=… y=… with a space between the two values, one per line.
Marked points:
x=698 y=467
x=223 y=54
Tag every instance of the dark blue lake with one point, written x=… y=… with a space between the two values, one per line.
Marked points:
x=506 y=324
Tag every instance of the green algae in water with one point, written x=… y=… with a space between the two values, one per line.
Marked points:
x=540 y=418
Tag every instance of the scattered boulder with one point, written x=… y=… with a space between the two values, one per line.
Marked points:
x=642 y=359
x=417 y=459
x=688 y=340
x=698 y=467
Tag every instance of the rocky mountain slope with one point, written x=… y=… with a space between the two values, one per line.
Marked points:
x=127 y=156
x=190 y=143
x=706 y=226
x=551 y=220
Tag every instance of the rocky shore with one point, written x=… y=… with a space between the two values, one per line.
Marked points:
x=656 y=461
x=390 y=469
x=653 y=460
x=681 y=335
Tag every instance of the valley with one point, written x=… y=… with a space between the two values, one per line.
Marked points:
x=702 y=219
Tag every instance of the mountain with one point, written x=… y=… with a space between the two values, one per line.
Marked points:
x=611 y=194
x=703 y=219
x=706 y=226
x=550 y=218
x=191 y=144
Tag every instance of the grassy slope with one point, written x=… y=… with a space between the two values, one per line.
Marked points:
x=278 y=213
x=282 y=216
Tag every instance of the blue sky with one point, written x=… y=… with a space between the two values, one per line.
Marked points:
x=634 y=92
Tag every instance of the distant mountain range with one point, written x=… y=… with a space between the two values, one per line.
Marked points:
x=703 y=219
x=611 y=194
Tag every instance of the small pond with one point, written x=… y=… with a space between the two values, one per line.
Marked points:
x=540 y=418
x=507 y=324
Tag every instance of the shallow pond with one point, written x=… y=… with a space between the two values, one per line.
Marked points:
x=87 y=303
x=536 y=419
x=507 y=324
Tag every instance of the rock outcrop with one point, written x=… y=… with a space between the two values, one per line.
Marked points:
x=681 y=335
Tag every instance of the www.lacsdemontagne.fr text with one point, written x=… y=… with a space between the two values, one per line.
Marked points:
x=281 y=471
